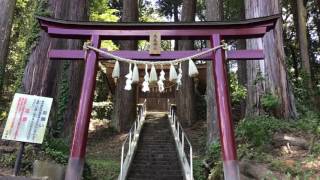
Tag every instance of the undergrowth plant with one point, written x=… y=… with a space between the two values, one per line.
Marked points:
x=238 y=92
x=258 y=131
x=270 y=102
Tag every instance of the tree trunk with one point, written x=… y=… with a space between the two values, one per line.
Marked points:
x=292 y=46
x=185 y=97
x=125 y=101
x=268 y=76
x=242 y=65
x=6 y=17
x=78 y=11
x=214 y=12
x=176 y=19
x=303 y=40
x=45 y=77
x=317 y=19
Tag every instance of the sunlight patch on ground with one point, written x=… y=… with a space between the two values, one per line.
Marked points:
x=98 y=123
x=312 y=164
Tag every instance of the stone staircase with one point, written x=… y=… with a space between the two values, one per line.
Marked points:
x=156 y=156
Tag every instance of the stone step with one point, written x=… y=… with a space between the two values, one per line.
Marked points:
x=154 y=151
x=142 y=177
x=156 y=173
x=158 y=163
x=156 y=160
x=169 y=166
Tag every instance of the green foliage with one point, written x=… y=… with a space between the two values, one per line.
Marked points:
x=259 y=78
x=258 y=131
x=233 y=10
x=254 y=135
x=169 y=8
x=214 y=156
x=214 y=151
x=238 y=92
x=103 y=111
x=103 y=13
x=147 y=13
x=300 y=88
x=3 y=114
x=217 y=171
x=7 y=160
x=270 y=101
x=198 y=170
x=87 y=173
x=316 y=149
x=309 y=122
x=103 y=169
x=201 y=107
x=103 y=105
x=62 y=101
x=291 y=171
x=56 y=149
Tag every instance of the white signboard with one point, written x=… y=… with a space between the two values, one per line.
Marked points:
x=27 y=118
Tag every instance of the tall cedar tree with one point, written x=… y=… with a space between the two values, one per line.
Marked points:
x=6 y=18
x=303 y=40
x=214 y=12
x=42 y=75
x=125 y=101
x=185 y=97
x=242 y=65
x=268 y=75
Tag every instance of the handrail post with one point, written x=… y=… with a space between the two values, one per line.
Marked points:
x=172 y=111
x=182 y=143
x=191 y=167
x=121 y=166
x=135 y=130
x=178 y=132
x=129 y=142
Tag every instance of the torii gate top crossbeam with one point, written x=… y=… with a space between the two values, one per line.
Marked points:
x=251 y=28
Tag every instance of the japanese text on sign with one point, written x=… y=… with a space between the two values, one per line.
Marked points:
x=27 y=118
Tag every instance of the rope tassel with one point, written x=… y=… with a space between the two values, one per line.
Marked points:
x=116 y=71
x=153 y=75
x=161 y=79
x=179 y=82
x=145 y=84
x=135 y=76
x=128 y=86
x=193 y=71
x=173 y=73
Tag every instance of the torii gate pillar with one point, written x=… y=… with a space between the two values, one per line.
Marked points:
x=229 y=154
x=80 y=135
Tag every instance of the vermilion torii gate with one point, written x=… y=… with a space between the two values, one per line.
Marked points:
x=214 y=31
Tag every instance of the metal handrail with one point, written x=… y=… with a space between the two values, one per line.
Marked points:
x=181 y=140
x=132 y=139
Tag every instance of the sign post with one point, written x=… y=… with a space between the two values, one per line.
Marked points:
x=27 y=122
x=17 y=164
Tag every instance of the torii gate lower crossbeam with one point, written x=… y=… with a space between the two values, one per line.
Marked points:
x=214 y=31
